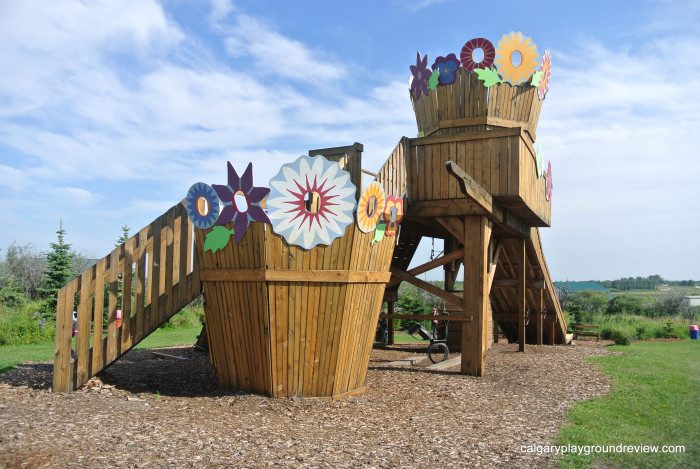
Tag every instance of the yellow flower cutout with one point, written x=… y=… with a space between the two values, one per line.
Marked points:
x=371 y=207
x=510 y=45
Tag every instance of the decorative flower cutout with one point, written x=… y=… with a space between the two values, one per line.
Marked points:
x=393 y=214
x=421 y=73
x=241 y=201
x=548 y=182
x=546 y=71
x=510 y=45
x=370 y=208
x=202 y=205
x=447 y=66
x=467 y=54
x=311 y=201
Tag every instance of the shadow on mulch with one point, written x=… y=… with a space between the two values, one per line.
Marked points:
x=30 y=375
x=143 y=370
x=139 y=371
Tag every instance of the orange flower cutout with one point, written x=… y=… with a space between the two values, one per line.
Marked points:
x=393 y=214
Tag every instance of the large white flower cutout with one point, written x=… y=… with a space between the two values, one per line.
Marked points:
x=311 y=201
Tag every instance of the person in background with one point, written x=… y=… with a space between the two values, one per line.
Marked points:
x=74 y=355
x=435 y=323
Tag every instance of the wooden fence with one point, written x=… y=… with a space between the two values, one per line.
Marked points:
x=161 y=255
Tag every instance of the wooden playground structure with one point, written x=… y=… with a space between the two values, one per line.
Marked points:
x=283 y=321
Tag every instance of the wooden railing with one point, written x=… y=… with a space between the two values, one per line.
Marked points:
x=149 y=278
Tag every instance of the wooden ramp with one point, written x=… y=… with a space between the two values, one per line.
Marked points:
x=149 y=278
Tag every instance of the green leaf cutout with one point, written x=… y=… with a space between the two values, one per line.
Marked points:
x=379 y=234
x=489 y=76
x=536 y=77
x=421 y=134
x=217 y=238
x=433 y=80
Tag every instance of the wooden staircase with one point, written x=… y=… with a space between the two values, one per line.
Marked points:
x=149 y=278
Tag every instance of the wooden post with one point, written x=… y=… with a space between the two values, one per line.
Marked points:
x=475 y=297
x=552 y=332
x=63 y=363
x=390 y=323
x=540 y=305
x=522 y=290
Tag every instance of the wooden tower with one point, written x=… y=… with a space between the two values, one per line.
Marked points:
x=471 y=179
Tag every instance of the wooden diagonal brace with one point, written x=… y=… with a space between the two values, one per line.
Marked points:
x=470 y=187
x=429 y=287
x=442 y=260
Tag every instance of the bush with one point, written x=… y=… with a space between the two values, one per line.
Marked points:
x=620 y=334
x=188 y=317
x=11 y=296
x=21 y=326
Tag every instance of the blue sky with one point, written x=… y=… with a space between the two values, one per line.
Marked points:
x=110 y=110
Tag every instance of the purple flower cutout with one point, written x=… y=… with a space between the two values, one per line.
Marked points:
x=241 y=201
x=448 y=68
x=420 y=73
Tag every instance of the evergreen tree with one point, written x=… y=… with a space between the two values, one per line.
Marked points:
x=59 y=270
x=124 y=237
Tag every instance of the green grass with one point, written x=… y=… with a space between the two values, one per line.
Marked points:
x=403 y=338
x=654 y=401
x=12 y=355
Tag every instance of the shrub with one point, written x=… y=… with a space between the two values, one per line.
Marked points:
x=20 y=326
x=188 y=317
x=11 y=296
x=621 y=335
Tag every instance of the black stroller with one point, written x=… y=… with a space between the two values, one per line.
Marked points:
x=437 y=350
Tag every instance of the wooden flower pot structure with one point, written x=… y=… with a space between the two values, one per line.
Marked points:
x=490 y=134
x=284 y=321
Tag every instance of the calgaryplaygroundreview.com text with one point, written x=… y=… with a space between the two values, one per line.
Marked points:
x=587 y=450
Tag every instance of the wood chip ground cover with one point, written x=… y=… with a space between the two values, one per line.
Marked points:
x=150 y=410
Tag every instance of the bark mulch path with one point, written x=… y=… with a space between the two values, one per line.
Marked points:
x=153 y=411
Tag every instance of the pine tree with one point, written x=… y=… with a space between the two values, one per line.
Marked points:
x=59 y=263
x=124 y=237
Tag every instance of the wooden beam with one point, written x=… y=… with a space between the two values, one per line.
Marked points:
x=446 y=208
x=429 y=287
x=470 y=187
x=540 y=322
x=290 y=275
x=390 y=323
x=522 y=291
x=477 y=234
x=367 y=171
x=493 y=266
x=459 y=208
x=442 y=260
x=465 y=137
x=427 y=317
x=454 y=226
x=514 y=283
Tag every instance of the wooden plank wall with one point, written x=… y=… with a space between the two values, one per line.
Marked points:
x=237 y=324
x=393 y=174
x=500 y=161
x=160 y=254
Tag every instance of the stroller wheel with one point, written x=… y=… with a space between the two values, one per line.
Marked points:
x=438 y=352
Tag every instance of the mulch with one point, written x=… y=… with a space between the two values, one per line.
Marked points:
x=151 y=410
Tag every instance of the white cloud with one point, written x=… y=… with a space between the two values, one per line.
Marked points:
x=417 y=5
x=276 y=54
x=620 y=129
